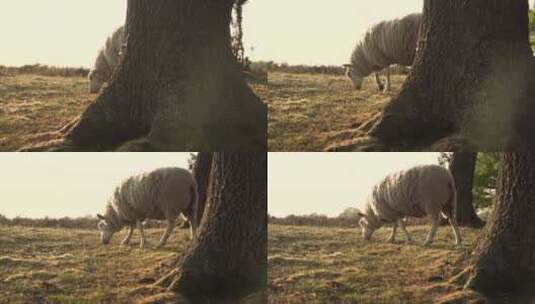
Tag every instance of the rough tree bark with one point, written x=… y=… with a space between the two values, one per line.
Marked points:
x=504 y=260
x=178 y=88
x=228 y=257
x=462 y=167
x=201 y=172
x=471 y=86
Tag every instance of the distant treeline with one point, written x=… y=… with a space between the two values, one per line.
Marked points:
x=43 y=70
x=87 y=222
x=348 y=219
x=314 y=220
x=272 y=66
x=269 y=66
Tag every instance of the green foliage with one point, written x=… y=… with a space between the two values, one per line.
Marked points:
x=531 y=15
x=485 y=178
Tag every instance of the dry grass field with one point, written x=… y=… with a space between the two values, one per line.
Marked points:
x=333 y=265
x=310 y=112
x=32 y=106
x=307 y=112
x=40 y=265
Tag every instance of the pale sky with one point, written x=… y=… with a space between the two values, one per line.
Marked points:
x=70 y=32
x=56 y=32
x=328 y=183
x=70 y=184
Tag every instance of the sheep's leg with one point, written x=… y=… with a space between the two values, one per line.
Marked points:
x=392 y=237
x=192 y=229
x=432 y=231
x=455 y=227
x=126 y=240
x=402 y=225
x=170 y=226
x=142 y=232
x=387 y=86
x=378 y=80
x=192 y=224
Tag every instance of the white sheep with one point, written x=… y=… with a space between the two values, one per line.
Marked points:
x=384 y=44
x=418 y=192
x=107 y=60
x=162 y=194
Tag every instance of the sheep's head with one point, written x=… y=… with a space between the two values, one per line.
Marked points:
x=367 y=225
x=95 y=83
x=106 y=229
x=354 y=76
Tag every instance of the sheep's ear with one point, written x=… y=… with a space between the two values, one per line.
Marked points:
x=101 y=217
x=361 y=214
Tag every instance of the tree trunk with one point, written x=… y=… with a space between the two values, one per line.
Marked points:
x=178 y=88
x=504 y=260
x=201 y=172
x=462 y=167
x=228 y=257
x=472 y=81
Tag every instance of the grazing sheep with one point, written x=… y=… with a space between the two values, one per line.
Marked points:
x=418 y=192
x=107 y=60
x=386 y=43
x=162 y=194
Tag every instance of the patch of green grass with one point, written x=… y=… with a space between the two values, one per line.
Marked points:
x=70 y=266
x=334 y=265
x=310 y=112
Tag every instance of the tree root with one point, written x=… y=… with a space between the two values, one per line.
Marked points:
x=370 y=140
x=461 y=278
x=361 y=144
x=167 y=279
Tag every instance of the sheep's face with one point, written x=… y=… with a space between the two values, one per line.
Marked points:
x=355 y=78
x=94 y=82
x=367 y=229
x=357 y=82
x=106 y=230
